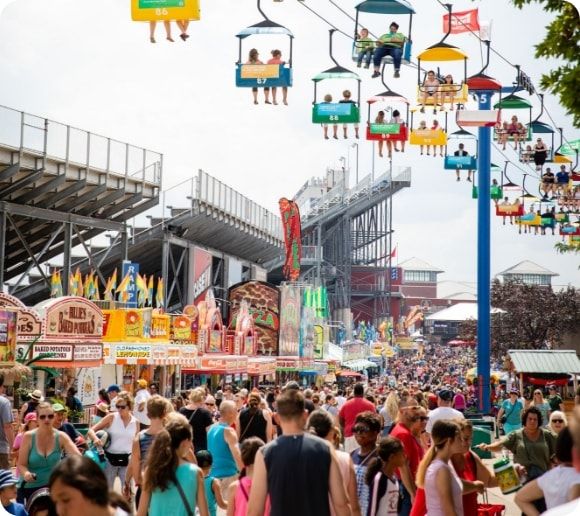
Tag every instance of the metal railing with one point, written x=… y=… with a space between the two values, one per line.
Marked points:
x=52 y=140
x=213 y=193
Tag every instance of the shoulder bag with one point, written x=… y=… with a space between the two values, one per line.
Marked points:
x=183 y=497
x=249 y=423
x=504 y=418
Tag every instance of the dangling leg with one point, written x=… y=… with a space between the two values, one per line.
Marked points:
x=152 y=25
x=285 y=95
x=168 y=30
x=381 y=148
x=255 y=95
x=274 y=91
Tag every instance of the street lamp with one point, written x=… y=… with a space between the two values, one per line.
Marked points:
x=355 y=144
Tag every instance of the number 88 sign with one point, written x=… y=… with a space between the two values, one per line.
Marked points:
x=164 y=10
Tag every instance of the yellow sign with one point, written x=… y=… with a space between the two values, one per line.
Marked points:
x=160 y=327
x=164 y=10
x=258 y=71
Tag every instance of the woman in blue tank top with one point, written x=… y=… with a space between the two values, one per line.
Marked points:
x=172 y=485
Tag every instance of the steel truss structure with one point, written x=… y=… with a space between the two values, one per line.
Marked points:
x=352 y=228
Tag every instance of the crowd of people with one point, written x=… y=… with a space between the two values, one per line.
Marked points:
x=399 y=444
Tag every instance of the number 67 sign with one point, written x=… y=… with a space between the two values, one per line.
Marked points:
x=164 y=10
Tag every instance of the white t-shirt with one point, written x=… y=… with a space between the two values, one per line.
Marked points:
x=564 y=510
x=389 y=503
x=442 y=413
x=141 y=415
x=340 y=401
x=556 y=484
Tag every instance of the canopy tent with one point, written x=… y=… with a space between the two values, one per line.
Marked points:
x=542 y=367
x=460 y=312
x=359 y=365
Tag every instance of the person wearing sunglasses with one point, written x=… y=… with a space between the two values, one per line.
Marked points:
x=408 y=413
x=40 y=452
x=558 y=421
x=366 y=430
x=542 y=405
x=122 y=427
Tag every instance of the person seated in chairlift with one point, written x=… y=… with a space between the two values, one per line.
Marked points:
x=526 y=154
x=448 y=91
x=380 y=119
x=328 y=100
x=502 y=133
x=461 y=152
x=506 y=202
x=562 y=179
x=430 y=88
x=389 y=44
x=365 y=48
x=548 y=180
x=540 y=154
x=253 y=60
x=277 y=60
x=423 y=127
x=436 y=127
x=396 y=119
x=346 y=94
x=549 y=214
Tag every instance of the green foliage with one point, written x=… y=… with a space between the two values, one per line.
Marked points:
x=533 y=316
x=563 y=248
x=562 y=41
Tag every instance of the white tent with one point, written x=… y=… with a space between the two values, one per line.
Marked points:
x=460 y=312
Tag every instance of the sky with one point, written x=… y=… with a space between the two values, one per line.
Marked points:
x=85 y=63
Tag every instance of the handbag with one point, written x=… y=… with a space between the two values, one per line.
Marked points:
x=119 y=460
x=249 y=423
x=504 y=417
x=489 y=509
x=183 y=497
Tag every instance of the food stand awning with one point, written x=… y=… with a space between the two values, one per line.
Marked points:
x=545 y=361
x=261 y=366
x=359 y=365
x=219 y=364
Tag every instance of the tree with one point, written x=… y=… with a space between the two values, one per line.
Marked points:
x=562 y=41
x=563 y=248
x=534 y=315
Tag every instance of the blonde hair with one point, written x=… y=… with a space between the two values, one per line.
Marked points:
x=197 y=395
x=442 y=431
x=392 y=405
x=124 y=395
x=328 y=97
x=560 y=415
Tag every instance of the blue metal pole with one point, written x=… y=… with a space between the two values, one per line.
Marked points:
x=483 y=257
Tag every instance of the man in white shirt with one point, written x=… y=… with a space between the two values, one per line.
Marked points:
x=443 y=410
x=140 y=410
x=340 y=399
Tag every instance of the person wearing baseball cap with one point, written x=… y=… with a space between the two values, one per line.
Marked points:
x=60 y=423
x=141 y=397
x=8 y=493
x=113 y=391
x=444 y=409
x=554 y=399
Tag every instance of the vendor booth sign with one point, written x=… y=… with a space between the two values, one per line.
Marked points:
x=7 y=337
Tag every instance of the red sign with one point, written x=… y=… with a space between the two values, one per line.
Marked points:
x=201 y=274
x=464 y=21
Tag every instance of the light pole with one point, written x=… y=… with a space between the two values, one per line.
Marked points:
x=355 y=144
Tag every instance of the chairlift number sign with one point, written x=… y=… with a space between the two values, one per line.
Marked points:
x=164 y=10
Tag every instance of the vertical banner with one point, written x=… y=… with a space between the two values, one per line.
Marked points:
x=202 y=279
x=132 y=269
x=292 y=237
x=88 y=385
x=307 y=323
x=289 y=320
x=7 y=337
x=318 y=342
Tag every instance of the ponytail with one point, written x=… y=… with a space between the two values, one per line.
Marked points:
x=424 y=464
x=442 y=432
x=162 y=458
x=374 y=467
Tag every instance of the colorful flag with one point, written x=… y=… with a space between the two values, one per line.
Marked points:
x=111 y=286
x=394 y=252
x=122 y=289
x=88 y=288
x=150 y=288
x=97 y=296
x=55 y=284
x=141 y=284
x=159 y=295
x=464 y=21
